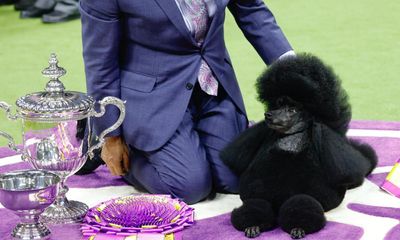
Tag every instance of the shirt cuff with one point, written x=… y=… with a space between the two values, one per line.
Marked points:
x=287 y=54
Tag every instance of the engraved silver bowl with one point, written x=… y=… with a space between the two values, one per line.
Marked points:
x=27 y=194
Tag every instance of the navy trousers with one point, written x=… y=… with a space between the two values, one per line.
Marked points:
x=188 y=165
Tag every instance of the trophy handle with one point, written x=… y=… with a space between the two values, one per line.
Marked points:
x=7 y=108
x=103 y=103
x=11 y=142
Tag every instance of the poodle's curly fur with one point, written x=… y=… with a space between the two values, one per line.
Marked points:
x=306 y=79
x=298 y=163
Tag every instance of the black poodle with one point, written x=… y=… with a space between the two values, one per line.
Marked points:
x=298 y=163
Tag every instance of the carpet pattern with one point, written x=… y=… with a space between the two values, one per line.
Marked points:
x=367 y=212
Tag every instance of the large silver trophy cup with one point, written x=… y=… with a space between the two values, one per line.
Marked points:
x=53 y=140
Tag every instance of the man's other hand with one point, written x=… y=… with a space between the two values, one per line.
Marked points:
x=115 y=154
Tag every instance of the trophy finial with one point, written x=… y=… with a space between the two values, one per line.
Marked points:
x=54 y=72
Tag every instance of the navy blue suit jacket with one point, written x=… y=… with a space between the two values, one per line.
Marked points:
x=141 y=51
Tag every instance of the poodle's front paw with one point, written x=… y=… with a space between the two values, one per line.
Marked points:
x=297 y=233
x=252 y=232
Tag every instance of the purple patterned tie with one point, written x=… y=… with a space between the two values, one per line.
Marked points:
x=195 y=11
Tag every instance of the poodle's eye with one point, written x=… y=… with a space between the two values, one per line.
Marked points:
x=292 y=110
x=279 y=102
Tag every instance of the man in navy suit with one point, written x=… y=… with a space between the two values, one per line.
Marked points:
x=167 y=59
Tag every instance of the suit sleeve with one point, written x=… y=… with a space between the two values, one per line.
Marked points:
x=101 y=40
x=260 y=28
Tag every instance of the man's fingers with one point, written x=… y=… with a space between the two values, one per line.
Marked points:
x=125 y=161
x=110 y=162
x=103 y=156
x=115 y=155
x=117 y=166
x=126 y=148
x=111 y=168
x=115 y=169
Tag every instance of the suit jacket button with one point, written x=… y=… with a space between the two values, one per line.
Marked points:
x=189 y=86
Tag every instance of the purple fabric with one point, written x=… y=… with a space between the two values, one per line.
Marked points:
x=377 y=178
x=377 y=211
x=99 y=178
x=6 y=152
x=388 y=212
x=223 y=230
x=394 y=233
x=387 y=149
x=371 y=124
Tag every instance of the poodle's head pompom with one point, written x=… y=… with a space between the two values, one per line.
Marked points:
x=307 y=80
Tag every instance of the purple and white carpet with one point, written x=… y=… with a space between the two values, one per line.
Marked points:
x=367 y=212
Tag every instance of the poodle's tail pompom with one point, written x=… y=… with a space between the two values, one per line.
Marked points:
x=306 y=79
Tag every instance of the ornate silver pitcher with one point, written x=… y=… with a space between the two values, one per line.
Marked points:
x=53 y=138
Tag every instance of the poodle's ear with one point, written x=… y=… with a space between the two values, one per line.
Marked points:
x=344 y=164
x=242 y=150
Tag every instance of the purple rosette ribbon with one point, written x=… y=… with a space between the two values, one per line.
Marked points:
x=138 y=217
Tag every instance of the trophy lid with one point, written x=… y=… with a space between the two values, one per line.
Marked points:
x=54 y=104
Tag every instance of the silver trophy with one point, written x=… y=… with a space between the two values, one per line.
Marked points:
x=52 y=123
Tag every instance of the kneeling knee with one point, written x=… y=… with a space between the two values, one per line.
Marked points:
x=192 y=191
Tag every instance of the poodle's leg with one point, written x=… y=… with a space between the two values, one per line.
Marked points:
x=300 y=215
x=253 y=217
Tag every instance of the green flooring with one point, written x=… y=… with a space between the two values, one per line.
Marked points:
x=359 y=38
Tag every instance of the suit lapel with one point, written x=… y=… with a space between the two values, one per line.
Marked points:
x=172 y=11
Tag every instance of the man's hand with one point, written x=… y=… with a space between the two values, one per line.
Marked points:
x=115 y=154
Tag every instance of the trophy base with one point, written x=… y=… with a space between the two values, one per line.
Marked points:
x=71 y=212
x=31 y=231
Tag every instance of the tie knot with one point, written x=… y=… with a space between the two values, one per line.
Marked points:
x=197 y=13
